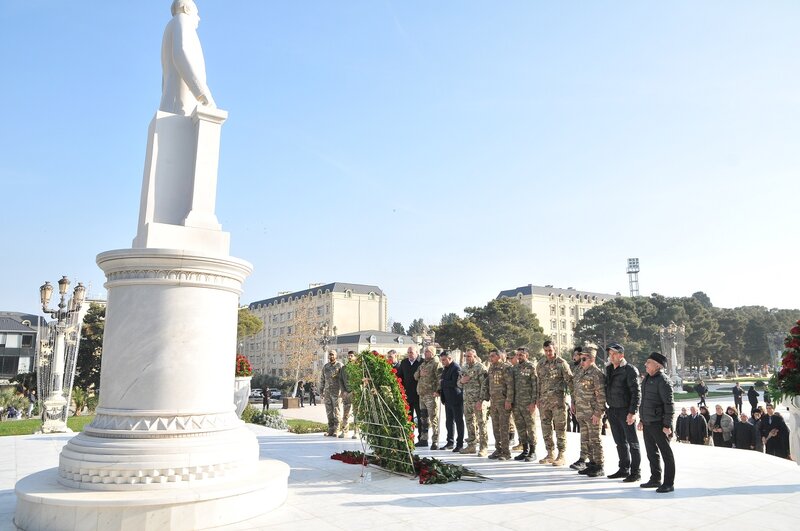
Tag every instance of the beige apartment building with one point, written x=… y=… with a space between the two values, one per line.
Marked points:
x=557 y=309
x=340 y=307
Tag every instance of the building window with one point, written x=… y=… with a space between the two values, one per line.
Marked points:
x=553 y=324
x=572 y=311
x=563 y=324
x=348 y=294
x=327 y=309
x=552 y=309
x=371 y=296
x=319 y=311
x=563 y=310
x=27 y=341
x=563 y=339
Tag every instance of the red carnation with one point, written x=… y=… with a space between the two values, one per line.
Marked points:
x=394 y=371
x=795 y=331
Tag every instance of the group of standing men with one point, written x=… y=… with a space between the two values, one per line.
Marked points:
x=511 y=389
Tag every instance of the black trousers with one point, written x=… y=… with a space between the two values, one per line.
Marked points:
x=630 y=457
x=454 y=414
x=738 y=403
x=656 y=443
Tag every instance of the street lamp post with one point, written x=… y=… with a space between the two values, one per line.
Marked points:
x=671 y=335
x=55 y=403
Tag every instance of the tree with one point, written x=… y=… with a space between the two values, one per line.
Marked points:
x=300 y=346
x=449 y=318
x=90 y=350
x=703 y=299
x=462 y=334
x=417 y=328
x=507 y=324
x=248 y=324
x=397 y=328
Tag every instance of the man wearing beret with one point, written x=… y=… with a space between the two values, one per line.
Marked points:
x=656 y=415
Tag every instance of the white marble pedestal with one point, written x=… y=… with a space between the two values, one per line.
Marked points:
x=43 y=504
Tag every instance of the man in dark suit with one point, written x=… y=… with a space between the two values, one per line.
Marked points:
x=738 y=392
x=406 y=370
x=453 y=400
x=682 y=426
x=698 y=427
x=656 y=413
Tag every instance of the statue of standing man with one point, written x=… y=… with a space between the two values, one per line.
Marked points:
x=183 y=81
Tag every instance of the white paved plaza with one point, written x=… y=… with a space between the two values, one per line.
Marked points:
x=716 y=488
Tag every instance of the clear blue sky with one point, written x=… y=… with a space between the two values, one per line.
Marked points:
x=442 y=150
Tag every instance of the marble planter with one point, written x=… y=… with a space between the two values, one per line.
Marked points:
x=793 y=422
x=241 y=393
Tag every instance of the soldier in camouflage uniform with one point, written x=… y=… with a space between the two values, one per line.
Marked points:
x=589 y=403
x=347 y=399
x=330 y=389
x=476 y=393
x=427 y=376
x=501 y=394
x=510 y=359
x=555 y=378
x=526 y=393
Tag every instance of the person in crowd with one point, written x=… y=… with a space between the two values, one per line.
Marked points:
x=774 y=433
x=265 y=400
x=623 y=397
x=301 y=392
x=698 y=427
x=510 y=360
x=656 y=411
x=391 y=357
x=405 y=372
x=312 y=394
x=702 y=390
x=474 y=381
x=733 y=413
x=501 y=396
x=347 y=398
x=526 y=393
x=721 y=426
x=752 y=397
x=555 y=378
x=738 y=393
x=452 y=396
x=706 y=415
x=744 y=434
x=330 y=387
x=755 y=420
x=682 y=426
x=32 y=402
x=589 y=402
x=427 y=376
x=572 y=420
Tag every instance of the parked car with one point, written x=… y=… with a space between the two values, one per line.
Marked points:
x=275 y=394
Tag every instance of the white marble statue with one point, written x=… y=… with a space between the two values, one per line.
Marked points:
x=183 y=83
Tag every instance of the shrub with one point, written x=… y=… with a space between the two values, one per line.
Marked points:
x=306 y=426
x=249 y=412
x=91 y=403
x=271 y=418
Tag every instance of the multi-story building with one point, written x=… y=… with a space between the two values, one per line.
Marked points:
x=17 y=343
x=340 y=307
x=557 y=309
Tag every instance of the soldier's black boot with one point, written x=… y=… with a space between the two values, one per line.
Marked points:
x=524 y=454
x=588 y=469
x=596 y=472
x=580 y=464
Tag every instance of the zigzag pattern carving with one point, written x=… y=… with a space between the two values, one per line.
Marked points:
x=153 y=424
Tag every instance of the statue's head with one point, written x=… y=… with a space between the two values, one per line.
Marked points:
x=187 y=7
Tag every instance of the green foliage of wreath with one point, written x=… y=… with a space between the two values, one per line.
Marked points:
x=392 y=441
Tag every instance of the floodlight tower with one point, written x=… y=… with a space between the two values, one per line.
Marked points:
x=633 y=276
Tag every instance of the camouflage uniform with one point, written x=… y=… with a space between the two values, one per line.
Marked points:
x=330 y=389
x=476 y=390
x=555 y=377
x=347 y=402
x=501 y=389
x=427 y=376
x=589 y=397
x=526 y=392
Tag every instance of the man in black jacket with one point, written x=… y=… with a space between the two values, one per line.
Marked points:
x=682 y=426
x=698 y=427
x=622 y=397
x=737 y=396
x=453 y=400
x=744 y=434
x=406 y=370
x=656 y=413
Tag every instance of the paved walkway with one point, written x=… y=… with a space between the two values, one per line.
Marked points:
x=716 y=488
